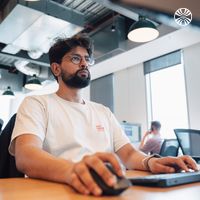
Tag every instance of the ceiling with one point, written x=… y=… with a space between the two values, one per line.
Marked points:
x=167 y=7
x=27 y=29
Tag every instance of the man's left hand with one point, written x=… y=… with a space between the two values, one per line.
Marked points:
x=172 y=164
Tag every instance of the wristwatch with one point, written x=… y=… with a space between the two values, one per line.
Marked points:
x=145 y=161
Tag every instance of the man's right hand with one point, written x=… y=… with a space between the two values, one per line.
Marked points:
x=80 y=178
x=37 y=163
x=147 y=133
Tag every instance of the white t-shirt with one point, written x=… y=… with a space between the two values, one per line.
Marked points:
x=68 y=130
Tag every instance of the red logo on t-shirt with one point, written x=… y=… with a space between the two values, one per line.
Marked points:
x=100 y=128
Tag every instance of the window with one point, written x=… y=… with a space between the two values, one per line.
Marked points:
x=166 y=99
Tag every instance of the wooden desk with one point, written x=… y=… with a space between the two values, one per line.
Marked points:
x=32 y=189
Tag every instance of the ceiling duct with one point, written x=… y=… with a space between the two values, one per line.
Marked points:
x=35 y=54
x=107 y=42
x=30 y=69
x=22 y=66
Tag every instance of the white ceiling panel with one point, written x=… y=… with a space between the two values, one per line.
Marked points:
x=31 y=30
x=18 y=20
x=43 y=28
x=11 y=49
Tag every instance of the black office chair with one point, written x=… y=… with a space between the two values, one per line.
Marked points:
x=7 y=162
x=189 y=141
x=1 y=124
x=169 y=147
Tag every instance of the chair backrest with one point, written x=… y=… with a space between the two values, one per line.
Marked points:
x=169 y=147
x=7 y=162
x=1 y=124
x=189 y=140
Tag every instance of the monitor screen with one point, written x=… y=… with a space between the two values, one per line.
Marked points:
x=132 y=130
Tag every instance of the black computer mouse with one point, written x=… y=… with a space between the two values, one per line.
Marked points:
x=121 y=184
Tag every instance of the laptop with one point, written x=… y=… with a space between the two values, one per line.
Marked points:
x=166 y=180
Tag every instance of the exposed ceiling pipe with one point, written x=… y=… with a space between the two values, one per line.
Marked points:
x=22 y=66
x=30 y=69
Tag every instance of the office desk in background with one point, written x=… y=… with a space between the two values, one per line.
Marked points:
x=32 y=189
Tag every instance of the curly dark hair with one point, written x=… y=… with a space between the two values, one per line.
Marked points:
x=64 y=45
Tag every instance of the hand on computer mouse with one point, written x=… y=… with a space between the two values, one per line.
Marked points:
x=81 y=179
x=120 y=185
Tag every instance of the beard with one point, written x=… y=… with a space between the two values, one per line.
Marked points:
x=76 y=80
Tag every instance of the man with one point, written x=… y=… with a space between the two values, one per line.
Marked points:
x=152 y=141
x=58 y=137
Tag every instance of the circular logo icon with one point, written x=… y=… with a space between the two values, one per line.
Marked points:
x=183 y=16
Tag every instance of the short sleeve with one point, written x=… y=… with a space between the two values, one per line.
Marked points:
x=31 y=119
x=119 y=136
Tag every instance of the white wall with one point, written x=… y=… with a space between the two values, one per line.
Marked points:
x=130 y=90
x=130 y=96
x=192 y=72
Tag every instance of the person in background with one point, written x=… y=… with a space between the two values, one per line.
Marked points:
x=151 y=141
x=61 y=136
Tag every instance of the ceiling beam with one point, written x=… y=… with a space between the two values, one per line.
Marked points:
x=56 y=10
x=118 y=8
x=132 y=12
x=169 y=6
x=43 y=61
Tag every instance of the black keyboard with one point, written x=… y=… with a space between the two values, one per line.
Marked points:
x=166 y=180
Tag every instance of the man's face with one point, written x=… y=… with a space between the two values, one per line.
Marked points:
x=74 y=68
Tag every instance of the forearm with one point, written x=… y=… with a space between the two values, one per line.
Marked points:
x=131 y=158
x=135 y=161
x=37 y=163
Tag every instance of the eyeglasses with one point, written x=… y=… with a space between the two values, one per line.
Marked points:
x=77 y=59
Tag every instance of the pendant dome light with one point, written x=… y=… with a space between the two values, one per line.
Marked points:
x=9 y=93
x=33 y=83
x=143 y=31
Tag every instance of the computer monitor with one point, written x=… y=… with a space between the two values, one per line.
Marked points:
x=132 y=130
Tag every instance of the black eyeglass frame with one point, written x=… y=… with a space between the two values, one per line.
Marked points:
x=77 y=59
